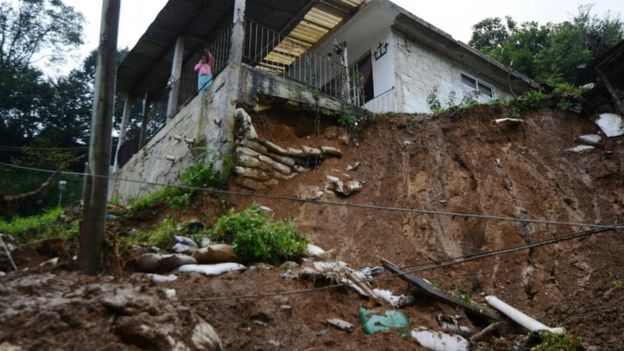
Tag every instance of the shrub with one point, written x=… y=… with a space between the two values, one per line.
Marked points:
x=162 y=236
x=39 y=227
x=154 y=199
x=255 y=237
x=559 y=342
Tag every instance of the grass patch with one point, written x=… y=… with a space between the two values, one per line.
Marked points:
x=40 y=227
x=256 y=237
x=559 y=342
x=162 y=236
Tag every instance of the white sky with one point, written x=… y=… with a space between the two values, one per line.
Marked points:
x=453 y=16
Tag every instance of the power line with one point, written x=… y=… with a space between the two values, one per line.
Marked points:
x=336 y=203
x=457 y=261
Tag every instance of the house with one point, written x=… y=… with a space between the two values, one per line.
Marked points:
x=327 y=54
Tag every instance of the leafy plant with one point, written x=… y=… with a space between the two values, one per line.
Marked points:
x=40 y=227
x=153 y=199
x=559 y=342
x=255 y=237
x=434 y=102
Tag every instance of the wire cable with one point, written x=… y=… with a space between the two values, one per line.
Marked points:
x=334 y=203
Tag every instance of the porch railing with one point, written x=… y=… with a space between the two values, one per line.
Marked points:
x=291 y=58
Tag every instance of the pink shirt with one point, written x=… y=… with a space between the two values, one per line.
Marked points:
x=203 y=69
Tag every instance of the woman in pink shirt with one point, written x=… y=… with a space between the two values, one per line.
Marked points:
x=204 y=71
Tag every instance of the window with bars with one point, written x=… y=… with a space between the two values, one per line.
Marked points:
x=474 y=85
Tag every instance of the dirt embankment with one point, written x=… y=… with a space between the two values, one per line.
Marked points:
x=451 y=164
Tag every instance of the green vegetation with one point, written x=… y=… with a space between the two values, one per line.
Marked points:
x=549 y=53
x=256 y=237
x=559 y=342
x=196 y=176
x=162 y=236
x=434 y=102
x=40 y=227
x=349 y=119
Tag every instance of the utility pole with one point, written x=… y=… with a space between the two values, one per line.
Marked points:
x=93 y=223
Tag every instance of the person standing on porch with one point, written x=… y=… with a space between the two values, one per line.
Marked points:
x=204 y=71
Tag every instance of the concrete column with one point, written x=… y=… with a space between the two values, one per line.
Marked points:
x=238 y=32
x=144 y=121
x=176 y=74
x=125 y=120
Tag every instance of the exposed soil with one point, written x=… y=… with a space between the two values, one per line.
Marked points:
x=454 y=164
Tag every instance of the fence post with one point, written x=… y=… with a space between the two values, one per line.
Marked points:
x=176 y=75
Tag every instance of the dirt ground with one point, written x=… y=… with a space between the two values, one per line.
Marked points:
x=451 y=163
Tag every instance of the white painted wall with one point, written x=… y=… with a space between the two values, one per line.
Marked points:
x=419 y=70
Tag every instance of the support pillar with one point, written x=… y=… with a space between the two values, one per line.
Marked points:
x=144 y=121
x=125 y=120
x=619 y=104
x=238 y=32
x=176 y=74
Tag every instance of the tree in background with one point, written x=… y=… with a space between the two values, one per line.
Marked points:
x=549 y=53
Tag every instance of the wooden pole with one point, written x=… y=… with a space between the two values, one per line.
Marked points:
x=176 y=74
x=144 y=121
x=93 y=223
x=616 y=99
x=125 y=120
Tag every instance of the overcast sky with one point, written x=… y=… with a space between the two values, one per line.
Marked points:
x=453 y=16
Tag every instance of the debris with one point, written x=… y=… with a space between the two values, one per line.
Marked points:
x=611 y=124
x=183 y=249
x=362 y=285
x=510 y=120
x=309 y=192
x=580 y=148
x=336 y=272
x=158 y=278
x=438 y=341
x=397 y=301
x=429 y=289
x=205 y=337
x=7 y=252
x=170 y=294
x=344 y=188
x=211 y=269
x=287 y=270
x=249 y=132
x=490 y=329
x=519 y=317
x=340 y=324
x=7 y=346
x=353 y=167
x=52 y=262
x=2 y=274
x=315 y=251
x=592 y=139
x=390 y=320
x=219 y=253
x=454 y=325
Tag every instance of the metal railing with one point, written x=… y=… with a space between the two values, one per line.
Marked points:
x=220 y=49
x=291 y=58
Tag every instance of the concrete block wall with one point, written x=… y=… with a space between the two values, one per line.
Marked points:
x=205 y=123
x=419 y=70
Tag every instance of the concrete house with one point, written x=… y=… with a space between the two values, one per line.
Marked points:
x=324 y=55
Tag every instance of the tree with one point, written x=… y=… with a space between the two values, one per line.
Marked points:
x=549 y=53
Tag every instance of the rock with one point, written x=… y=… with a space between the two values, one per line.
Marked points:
x=591 y=139
x=580 y=149
x=250 y=184
x=329 y=151
x=170 y=294
x=2 y=274
x=311 y=151
x=340 y=324
x=246 y=123
x=345 y=139
x=205 y=337
x=7 y=346
x=255 y=146
x=252 y=173
x=309 y=192
x=315 y=251
x=611 y=124
x=342 y=188
x=277 y=166
x=214 y=254
x=159 y=279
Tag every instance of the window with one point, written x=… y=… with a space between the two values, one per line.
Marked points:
x=473 y=85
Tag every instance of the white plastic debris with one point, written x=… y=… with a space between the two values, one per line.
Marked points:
x=611 y=124
x=519 y=317
x=185 y=241
x=315 y=251
x=395 y=300
x=158 y=278
x=580 y=148
x=2 y=274
x=211 y=269
x=438 y=341
x=170 y=294
x=340 y=324
x=510 y=120
x=592 y=139
x=183 y=249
